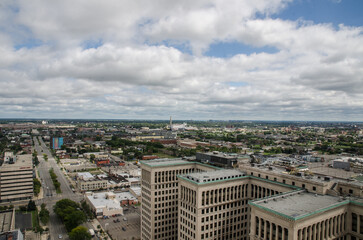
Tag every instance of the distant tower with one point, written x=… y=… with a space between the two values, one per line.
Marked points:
x=171 y=124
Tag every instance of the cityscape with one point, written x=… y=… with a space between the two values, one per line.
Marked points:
x=181 y=120
x=115 y=179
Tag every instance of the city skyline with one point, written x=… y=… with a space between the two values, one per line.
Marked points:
x=246 y=60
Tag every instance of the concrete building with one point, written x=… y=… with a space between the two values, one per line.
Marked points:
x=7 y=226
x=341 y=164
x=159 y=189
x=16 y=179
x=104 y=203
x=258 y=203
x=301 y=215
x=214 y=205
x=315 y=184
x=12 y=235
x=218 y=159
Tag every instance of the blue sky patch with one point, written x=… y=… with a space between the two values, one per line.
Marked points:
x=29 y=43
x=237 y=84
x=229 y=49
x=92 y=44
x=347 y=12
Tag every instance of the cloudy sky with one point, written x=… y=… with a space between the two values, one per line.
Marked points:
x=215 y=59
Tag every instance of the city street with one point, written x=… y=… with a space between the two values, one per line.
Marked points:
x=56 y=227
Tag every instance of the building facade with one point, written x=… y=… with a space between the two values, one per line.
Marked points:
x=159 y=189
x=16 y=179
x=214 y=205
x=315 y=217
x=185 y=200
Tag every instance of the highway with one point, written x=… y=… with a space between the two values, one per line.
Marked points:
x=56 y=227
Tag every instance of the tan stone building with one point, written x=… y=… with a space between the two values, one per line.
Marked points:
x=187 y=200
x=314 y=184
x=214 y=205
x=16 y=179
x=159 y=192
x=305 y=216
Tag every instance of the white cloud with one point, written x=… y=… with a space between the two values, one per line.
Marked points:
x=316 y=72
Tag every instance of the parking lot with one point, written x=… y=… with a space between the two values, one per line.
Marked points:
x=130 y=222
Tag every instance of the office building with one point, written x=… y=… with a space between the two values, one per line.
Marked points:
x=258 y=203
x=159 y=184
x=217 y=158
x=16 y=179
x=305 y=216
x=56 y=142
x=214 y=205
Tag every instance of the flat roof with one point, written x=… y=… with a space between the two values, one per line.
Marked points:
x=22 y=162
x=213 y=176
x=221 y=154
x=6 y=218
x=165 y=162
x=299 y=204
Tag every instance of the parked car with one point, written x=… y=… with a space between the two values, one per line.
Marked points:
x=123 y=228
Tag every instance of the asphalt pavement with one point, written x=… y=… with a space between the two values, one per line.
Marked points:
x=56 y=227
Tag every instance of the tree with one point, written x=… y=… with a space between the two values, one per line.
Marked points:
x=44 y=214
x=69 y=212
x=74 y=219
x=92 y=157
x=31 y=205
x=80 y=233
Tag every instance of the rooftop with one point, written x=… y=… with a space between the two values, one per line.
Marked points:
x=212 y=176
x=165 y=162
x=22 y=162
x=6 y=218
x=299 y=204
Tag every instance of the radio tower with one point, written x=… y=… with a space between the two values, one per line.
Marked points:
x=171 y=124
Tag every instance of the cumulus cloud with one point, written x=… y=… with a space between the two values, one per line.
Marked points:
x=122 y=59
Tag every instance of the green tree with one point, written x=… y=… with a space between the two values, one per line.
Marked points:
x=31 y=205
x=37 y=186
x=74 y=219
x=69 y=212
x=79 y=233
x=44 y=214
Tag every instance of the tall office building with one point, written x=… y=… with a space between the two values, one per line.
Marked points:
x=159 y=186
x=214 y=205
x=184 y=200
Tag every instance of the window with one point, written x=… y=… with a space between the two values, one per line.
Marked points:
x=314 y=188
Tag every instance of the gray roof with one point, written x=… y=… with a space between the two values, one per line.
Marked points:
x=165 y=162
x=212 y=176
x=299 y=204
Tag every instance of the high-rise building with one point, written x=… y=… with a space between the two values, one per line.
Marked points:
x=186 y=200
x=56 y=142
x=159 y=186
x=214 y=205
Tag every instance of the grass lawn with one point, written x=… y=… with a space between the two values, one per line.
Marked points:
x=35 y=221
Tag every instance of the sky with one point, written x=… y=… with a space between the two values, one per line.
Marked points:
x=216 y=59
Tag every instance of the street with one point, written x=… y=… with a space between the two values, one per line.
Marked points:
x=56 y=227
